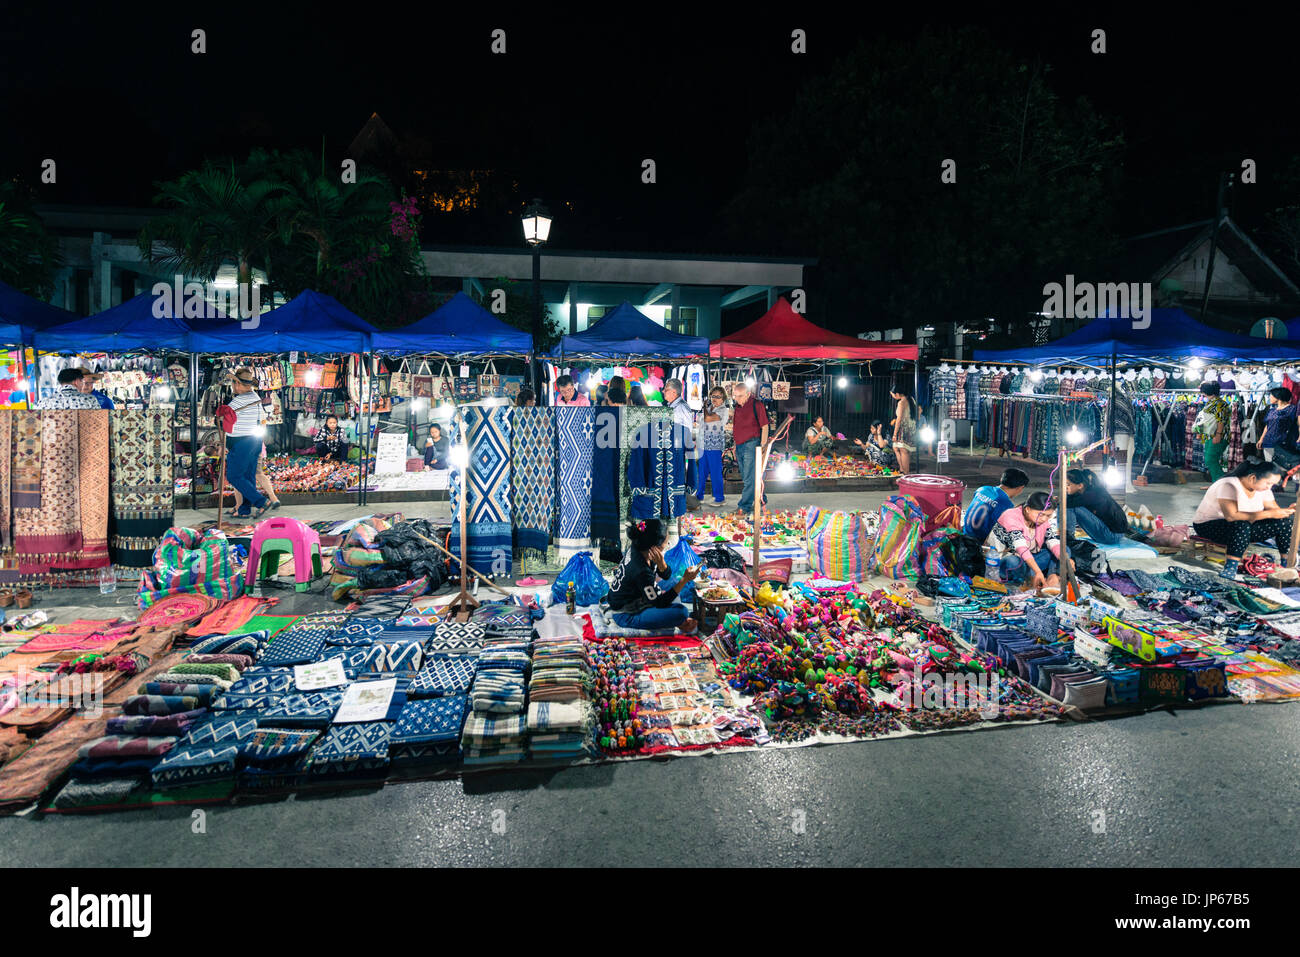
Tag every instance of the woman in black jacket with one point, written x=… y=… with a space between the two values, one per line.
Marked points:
x=435 y=449
x=331 y=442
x=1092 y=509
x=642 y=594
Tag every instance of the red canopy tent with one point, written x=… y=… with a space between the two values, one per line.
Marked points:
x=784 y=334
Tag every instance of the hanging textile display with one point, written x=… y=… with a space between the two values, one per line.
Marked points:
x=6 y=461
x=606 y=481
x=26 y=474
x=487 y=510
x=575 y=430
x=532 y=483
x=92 y=487
x=142 y=477
x=51 y=533
x=633 y=420
x=656 y=470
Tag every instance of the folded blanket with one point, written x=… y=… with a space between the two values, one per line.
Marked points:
x=444 y=675
x=155 y=725
x=222 y=671
x=557 y=716
x=245 y=702
x=247 y=644
x=431 y=719
x=126 y=746
x=138 y=767
x=182 y=678
x=159 y=704
x=485 y=732
x=204 y=693
x=95 y=793
x=188 y=764
x=240 y=662
x=258 y=680
x=222 y=728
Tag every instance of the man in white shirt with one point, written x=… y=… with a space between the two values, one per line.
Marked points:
x=69 y=394
x=246 y=439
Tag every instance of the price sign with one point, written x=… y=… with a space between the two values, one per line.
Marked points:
x=390 y=457
x=943 y=451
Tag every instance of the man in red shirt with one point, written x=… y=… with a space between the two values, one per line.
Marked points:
x=749 y=429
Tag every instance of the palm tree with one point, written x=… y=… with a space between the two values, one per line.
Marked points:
x=29 y=255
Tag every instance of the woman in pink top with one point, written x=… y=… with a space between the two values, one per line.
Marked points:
x=1029 y=537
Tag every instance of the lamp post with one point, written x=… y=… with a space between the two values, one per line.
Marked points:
x=537 y=230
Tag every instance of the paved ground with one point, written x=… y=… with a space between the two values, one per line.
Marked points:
x=1210 y=787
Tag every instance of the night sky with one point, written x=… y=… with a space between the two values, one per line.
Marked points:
x=581 y=98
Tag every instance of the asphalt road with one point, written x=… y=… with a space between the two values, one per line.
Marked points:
x=1212 y=787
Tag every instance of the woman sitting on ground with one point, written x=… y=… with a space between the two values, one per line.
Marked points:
x=877 y=447
x=1091 y=508
x=1239 y=510
x=818 y=440
x=331 y=441
x=642 y=594
x=1028 y=538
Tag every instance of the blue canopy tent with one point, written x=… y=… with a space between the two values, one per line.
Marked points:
x=131 y=327
x=20 y=315
x=459 y=327
x=629 y=332
x=1171 y=334
x=310 y=322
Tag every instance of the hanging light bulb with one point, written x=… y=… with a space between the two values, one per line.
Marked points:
x=311 y=378
x=750 y=381
x=163 y=393
x=1191 y=375
x=23 y=385
x=459 y=456
x=1195 y=363
x=417 y=405
x=1112 y=476
x=842 y=382
x=927 y=434
x=260 y=431
x=785 y=472
x=446 y=411
x=1074 y=436
x=1036 y=375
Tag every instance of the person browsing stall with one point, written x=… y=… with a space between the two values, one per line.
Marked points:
x=674 y=398
x=246 y=444
x=1280 y=429
x=749 y=430
x=904 y=427
x=1091 y=508
x=1239 y=510
x=990 y=501
x=713 y=440
x=69 y=394
x=1028 y=538
x=642 y=594
x=566 y=393
x=1212 y=424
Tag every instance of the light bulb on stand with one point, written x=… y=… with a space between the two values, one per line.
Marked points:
x=1074 y=436
x=459 y=456
x=1112 y=476
x=785 y=472
x=927 y=434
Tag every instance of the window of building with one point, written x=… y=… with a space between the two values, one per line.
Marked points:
x=685 y=321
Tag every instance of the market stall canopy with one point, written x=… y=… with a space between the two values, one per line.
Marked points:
x=784 y=334
x=460 y=326
x=310 y=322
x=1171 y=334
x=21 y=314
x=1293 y=328
x=629 y=332
x=133 y=326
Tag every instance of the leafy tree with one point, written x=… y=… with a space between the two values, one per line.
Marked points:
x=852 y=175
x=29 y=255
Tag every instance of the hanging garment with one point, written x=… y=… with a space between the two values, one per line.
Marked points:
x=656 y=471
x=574 y=429
x=532 y=482
x=142 y=484
x=487 y=508
x=958 y=409
x=606 y=481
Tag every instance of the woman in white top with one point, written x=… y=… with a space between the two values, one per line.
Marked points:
x=1239 y=510
x=246 y=444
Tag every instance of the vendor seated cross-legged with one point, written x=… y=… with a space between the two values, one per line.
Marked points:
x=642 y=593
x=1029 y=542
x=1239 y=510
x=1091 y=508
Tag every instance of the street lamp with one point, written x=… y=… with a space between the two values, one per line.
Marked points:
x=537 y=230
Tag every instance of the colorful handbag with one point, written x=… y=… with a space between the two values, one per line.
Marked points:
x=781 y=386
x=443 y=382
x=467 y=389
x=812 y=388
x=422 y=381
x=400 y=383
x=329 y=377
x=489 y=383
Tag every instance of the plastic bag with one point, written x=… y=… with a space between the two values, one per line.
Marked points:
x=679 y=558
x=589 y=584
x=720 y=556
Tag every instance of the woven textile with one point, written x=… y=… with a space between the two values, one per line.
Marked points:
x=456 y=637
x=155 y=725
x=532 y=480
x=177 y=609
x=267 y=745
x=159 y=704
x=359 y=631
x=246 y=644
x=444 y=675
x=142 y=479
x=51 y=533
x=188 y=764
x=259 y=680
x=358 y=659
x=424 y=752
x=656 y=467
x=487 y=506
x=232 y=701
x=605 y=481
x=92 y=486
x=226 y=727
x=26 y=473
x=633 y=422
x=352 y=748
x=6 y=463
x=309 y=709
x=297 y=646
x=126 y=746
x=431 y=720
x=575 y=435
x=487 y=731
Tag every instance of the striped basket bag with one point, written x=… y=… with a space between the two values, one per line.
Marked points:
x=189 y=562
x=897 y=553
x=838 y=544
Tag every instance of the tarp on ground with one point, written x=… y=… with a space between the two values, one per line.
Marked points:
x=459 y=326
x=1171 y=334
x=782 y=333
x=132 y=326
x=310 y=322
x=21 y=315
x=629 y=332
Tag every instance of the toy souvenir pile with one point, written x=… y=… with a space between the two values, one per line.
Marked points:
x=835 y=466
x=780 y=528
x=845 y=662
x=305 y=474
x=617 y=704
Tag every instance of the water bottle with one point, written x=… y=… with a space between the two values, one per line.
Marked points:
x=107 y=580
x=570 y=599
x=992 y=564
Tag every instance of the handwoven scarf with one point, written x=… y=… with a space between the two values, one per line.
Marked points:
x=26 y=475
x=575 y=432
x=51 y=534
x=634 y=419
x=142 y=484
x=487 y=485
x=532 y=479
x=92 y=486
x=6 y=464
x=605 y=480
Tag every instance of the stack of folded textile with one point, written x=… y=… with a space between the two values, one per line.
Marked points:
x=494 y=732
x=560 y=716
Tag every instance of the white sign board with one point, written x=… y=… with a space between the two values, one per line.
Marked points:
x=390 y=456
x=943 y=452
